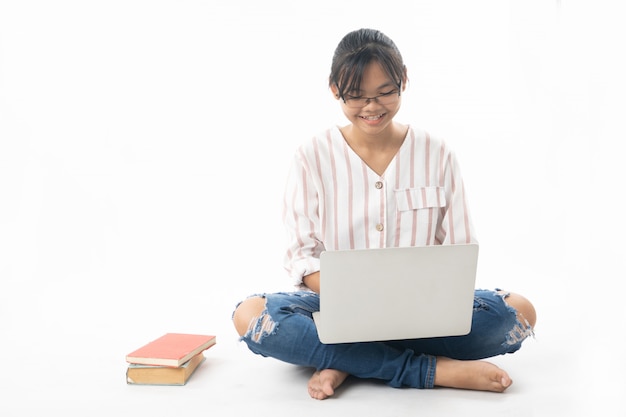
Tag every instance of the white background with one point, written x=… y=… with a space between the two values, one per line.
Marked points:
x=144 y=147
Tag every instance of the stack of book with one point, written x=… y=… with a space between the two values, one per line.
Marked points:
x=169 y=360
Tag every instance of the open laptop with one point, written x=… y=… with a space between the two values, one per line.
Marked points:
x=396 y=293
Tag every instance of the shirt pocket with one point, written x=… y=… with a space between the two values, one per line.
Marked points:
x=420 y=198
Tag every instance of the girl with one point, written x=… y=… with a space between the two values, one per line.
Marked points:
x=377 y=183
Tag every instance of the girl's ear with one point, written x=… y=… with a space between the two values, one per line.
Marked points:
x=405 y=79
x=335 y=91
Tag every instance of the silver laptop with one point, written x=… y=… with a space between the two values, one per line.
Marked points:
x=396 y=293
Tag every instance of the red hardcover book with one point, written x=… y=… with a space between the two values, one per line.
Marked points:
x=171 y=349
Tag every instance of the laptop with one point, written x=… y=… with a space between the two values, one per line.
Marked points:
x=396 y=293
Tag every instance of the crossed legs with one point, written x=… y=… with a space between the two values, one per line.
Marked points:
x=462 y=374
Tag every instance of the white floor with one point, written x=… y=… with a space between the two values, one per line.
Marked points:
x=64 y=355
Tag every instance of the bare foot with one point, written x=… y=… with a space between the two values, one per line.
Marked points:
x=476 y=375
x=323 y=383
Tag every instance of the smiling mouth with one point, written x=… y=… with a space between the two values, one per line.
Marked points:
x=372 y=118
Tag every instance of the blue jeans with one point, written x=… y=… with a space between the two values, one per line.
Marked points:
x=285 y=331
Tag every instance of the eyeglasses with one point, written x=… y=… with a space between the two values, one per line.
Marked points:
x=384 y=99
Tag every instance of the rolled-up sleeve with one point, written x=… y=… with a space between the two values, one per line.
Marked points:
x=302 y=221
x=456 y=226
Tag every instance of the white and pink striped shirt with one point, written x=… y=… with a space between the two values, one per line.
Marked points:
x=334 y=201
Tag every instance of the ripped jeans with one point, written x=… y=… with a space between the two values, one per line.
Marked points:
x=286 y=331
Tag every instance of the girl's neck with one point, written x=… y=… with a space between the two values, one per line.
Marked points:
x=376 y=151
x=389 y=139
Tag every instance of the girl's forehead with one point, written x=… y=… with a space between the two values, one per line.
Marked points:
x=374 y=70
x=375 y=77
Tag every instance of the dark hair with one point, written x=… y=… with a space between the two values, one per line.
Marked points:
x=356 y=50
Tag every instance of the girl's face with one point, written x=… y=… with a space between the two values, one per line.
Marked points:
x=372 y=108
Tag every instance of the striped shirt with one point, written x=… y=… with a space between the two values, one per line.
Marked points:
x=334 y=201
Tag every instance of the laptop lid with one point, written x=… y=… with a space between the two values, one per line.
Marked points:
x=396 y=293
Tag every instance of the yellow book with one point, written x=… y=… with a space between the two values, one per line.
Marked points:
x=138 y=374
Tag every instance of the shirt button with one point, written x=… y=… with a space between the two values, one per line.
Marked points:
x=379 y=227
x=378 y=185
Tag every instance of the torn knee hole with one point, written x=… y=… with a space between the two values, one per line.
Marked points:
x=260 y=326
x=523 y=328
